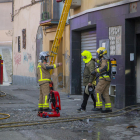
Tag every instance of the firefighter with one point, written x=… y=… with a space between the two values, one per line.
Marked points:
x=102 y=88
x=88 y=80
x=44 y=77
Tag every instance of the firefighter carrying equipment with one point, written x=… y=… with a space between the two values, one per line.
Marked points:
x=103 y=85
x=89 y=67
x=110 y=69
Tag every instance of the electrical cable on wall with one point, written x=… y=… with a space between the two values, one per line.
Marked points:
x=33 y=2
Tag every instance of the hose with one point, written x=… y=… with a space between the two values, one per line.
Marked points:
x=4 y=94
x=69 y=119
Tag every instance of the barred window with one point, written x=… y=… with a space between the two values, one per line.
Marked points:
x=19 y=47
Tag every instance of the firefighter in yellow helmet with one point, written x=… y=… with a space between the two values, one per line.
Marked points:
x=102 y=88
x=88 y=80
x=44 y=77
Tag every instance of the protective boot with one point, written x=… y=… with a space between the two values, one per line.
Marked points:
x=40 y=110
x=96 y=109
x=47 y=110
x=107 y=110
x=81 y=110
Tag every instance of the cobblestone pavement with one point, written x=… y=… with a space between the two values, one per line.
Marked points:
x=21 y=103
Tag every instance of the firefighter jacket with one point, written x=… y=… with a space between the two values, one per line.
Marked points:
x=87 y=77
x=104 y=69
x=43 y=72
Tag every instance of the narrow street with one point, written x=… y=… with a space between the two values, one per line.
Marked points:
x=88 y=51
x=21 y=103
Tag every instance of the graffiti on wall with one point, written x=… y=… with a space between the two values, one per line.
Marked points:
x=31 y=67
x=27 y=57
x=9 y=33
x=17 y=59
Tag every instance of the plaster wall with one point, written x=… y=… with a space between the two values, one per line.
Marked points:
x=5 y=22
x=28 y=18
x=88 y=4
x=63 y=55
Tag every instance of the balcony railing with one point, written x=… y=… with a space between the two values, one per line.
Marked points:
x=49 y=13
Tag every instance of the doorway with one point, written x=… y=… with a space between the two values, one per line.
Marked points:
x=138 y=68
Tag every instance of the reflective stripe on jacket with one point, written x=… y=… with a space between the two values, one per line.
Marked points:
x=41 y=79
x=104 y=67
x=43 y=72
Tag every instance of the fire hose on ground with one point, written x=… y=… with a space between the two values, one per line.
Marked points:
x=2 y=95
x=70 y=119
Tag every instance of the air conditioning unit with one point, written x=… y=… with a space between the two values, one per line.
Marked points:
x=75 y=4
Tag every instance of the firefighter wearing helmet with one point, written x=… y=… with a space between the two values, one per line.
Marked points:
x=88 y=80
x=102 y=88
x=44 y=77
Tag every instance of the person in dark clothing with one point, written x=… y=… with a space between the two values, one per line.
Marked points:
x=88 y=80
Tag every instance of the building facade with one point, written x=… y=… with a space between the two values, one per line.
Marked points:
x=116 y=26
x=6 y=29
x=27 y=40
x=49 y=23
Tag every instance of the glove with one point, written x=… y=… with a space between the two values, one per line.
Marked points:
x=93 y=73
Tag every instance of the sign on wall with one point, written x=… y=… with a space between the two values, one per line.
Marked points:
x=115 y=36
x=133 y=7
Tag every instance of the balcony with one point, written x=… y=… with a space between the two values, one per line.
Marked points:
x=50 y=14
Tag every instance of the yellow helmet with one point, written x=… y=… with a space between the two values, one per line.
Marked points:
x=101 y=51
x=87 y=56
x=0 y=57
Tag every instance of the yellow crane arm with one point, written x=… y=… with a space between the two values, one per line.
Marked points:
x=59 y=32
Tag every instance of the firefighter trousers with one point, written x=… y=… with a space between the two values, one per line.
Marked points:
x=44 y=96
x=102 y=90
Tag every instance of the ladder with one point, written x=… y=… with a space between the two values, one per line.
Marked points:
x=59 y=32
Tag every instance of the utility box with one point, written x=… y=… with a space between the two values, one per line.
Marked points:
x=75 y=4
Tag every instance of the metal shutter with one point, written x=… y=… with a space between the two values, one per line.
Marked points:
x=88 y=42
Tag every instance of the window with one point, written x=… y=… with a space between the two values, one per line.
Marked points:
x=24 y=38
x=19 y=48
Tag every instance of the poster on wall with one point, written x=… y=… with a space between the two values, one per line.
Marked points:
x=115 y=36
